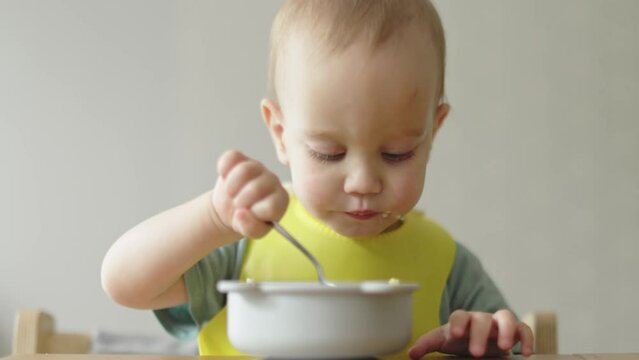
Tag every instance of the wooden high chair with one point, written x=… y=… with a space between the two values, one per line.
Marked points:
x=544 y=328
x=34 y=333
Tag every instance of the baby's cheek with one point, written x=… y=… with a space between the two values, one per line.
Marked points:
x=407 y=193
x=407 y=199
x=320 y=195
x=314 y=191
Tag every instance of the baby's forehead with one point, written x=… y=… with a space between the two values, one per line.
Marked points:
x=404 y=65
x=357 y=92
x=315 y=45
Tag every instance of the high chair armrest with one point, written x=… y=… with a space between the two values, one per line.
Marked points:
x=544 y=328
x=34 y=333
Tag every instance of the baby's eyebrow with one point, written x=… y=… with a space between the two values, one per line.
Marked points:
x=321 y=134
x=410 y=135
x=414 y=133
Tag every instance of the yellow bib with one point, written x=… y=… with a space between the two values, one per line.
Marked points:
x=418 y=251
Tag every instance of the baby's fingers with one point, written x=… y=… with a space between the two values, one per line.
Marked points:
x=243 y=174
x=228 y=160
x=459 y=321
x=507 y=325
x=248 y=225
x=480 y=329
x=429 y=342
x=256 y=190
x=272 y=207
x=526 y=338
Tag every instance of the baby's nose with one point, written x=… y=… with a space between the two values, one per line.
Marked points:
x=362 y=180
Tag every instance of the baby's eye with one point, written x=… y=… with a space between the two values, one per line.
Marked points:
x=392 y=157
x=326 y=157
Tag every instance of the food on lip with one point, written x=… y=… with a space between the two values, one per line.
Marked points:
x=393 y=281
x=249 y=281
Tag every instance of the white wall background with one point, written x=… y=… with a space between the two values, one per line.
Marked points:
x=111 y=111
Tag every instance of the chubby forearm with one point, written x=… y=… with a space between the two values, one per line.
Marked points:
x=144 y=267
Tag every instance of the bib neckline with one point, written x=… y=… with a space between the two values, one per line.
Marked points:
x=299 y=212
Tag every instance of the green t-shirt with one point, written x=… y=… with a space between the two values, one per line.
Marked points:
x=469 y=288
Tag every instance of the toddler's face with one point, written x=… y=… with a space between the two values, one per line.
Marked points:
x=356 y=129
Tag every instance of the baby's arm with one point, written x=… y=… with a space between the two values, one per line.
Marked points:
x=144 y=268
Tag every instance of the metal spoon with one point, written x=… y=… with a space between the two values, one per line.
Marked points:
x=298 y=245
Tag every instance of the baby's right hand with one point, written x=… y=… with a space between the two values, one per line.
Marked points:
x=247 y=195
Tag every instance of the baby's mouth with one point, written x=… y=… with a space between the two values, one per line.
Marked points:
x=362 y=214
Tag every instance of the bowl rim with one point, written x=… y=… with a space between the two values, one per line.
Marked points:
x=314 y=287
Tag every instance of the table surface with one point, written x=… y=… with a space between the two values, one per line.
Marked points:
x=171 y=357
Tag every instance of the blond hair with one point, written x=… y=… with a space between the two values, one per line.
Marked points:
x=335 y=24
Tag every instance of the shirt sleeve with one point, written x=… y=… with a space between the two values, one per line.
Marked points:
x=204 y=301
x=469 y=287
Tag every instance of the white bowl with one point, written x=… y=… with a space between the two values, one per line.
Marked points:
x=310 y=320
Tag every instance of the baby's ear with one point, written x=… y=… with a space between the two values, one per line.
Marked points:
x=440 y=116
x=272 y=116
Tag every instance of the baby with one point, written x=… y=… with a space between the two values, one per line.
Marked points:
x=355 y=99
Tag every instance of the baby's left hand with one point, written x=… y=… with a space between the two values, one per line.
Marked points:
x=477 y=334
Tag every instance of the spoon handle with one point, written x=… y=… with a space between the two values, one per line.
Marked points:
x=300 y=247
